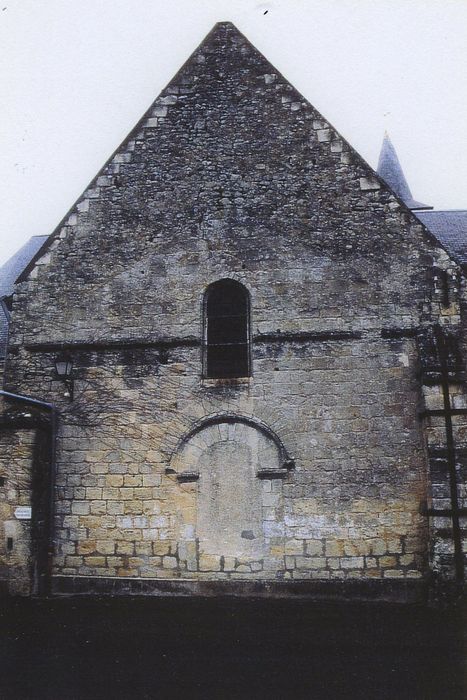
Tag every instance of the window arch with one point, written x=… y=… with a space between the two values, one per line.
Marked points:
x=226 y=330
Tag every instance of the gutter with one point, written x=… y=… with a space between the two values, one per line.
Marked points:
x=44 y=405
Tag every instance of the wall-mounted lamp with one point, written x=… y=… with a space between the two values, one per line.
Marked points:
x=64 y=369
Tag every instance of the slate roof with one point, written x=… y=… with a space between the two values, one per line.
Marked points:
x=450 y=228
x=3 y=332
x=391 y=171
x=9 y=272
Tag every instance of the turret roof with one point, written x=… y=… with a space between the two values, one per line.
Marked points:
x=391 y=171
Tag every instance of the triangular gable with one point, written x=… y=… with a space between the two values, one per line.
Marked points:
x=228 y=46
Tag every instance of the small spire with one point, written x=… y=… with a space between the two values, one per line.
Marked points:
x=391 y=171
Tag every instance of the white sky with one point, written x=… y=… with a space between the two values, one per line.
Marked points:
x=76 y=75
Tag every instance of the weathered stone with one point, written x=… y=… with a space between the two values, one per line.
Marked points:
x=294 y=547
x=80 y=507
x=310 y=562
x=169 y=562
x=369 y=183
x=314 y=548
x=106 y=547
x=88 y=547
x=334 y=548
x=208 y=562
x=387 y=561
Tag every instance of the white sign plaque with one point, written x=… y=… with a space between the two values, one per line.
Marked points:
x=23 y=513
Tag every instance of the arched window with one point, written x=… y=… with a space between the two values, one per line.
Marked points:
x=226 y=330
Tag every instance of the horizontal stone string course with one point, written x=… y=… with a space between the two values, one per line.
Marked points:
x=319 y=336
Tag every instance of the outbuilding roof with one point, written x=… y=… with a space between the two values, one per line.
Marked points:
x=9 y=273
x=11 y=270
x=450 y=228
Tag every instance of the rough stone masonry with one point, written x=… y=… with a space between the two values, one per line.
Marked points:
x=313 y=466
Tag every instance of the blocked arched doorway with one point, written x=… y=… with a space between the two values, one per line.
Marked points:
x=237 y=515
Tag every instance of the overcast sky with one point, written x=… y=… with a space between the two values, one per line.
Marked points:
x=76 y=75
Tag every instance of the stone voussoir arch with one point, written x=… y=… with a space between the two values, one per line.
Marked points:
x=187 y=440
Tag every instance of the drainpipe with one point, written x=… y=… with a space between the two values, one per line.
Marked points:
x=54 y=419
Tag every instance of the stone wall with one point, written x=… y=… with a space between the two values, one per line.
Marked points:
x=315 y=466
x=16 y=457
x=349 y=508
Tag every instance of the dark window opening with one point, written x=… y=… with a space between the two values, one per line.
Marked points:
x=442 y=283
x=226 y=318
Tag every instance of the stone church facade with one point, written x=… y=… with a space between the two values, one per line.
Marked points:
x=262 y=335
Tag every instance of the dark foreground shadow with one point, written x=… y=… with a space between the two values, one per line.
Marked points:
x=228 y=649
